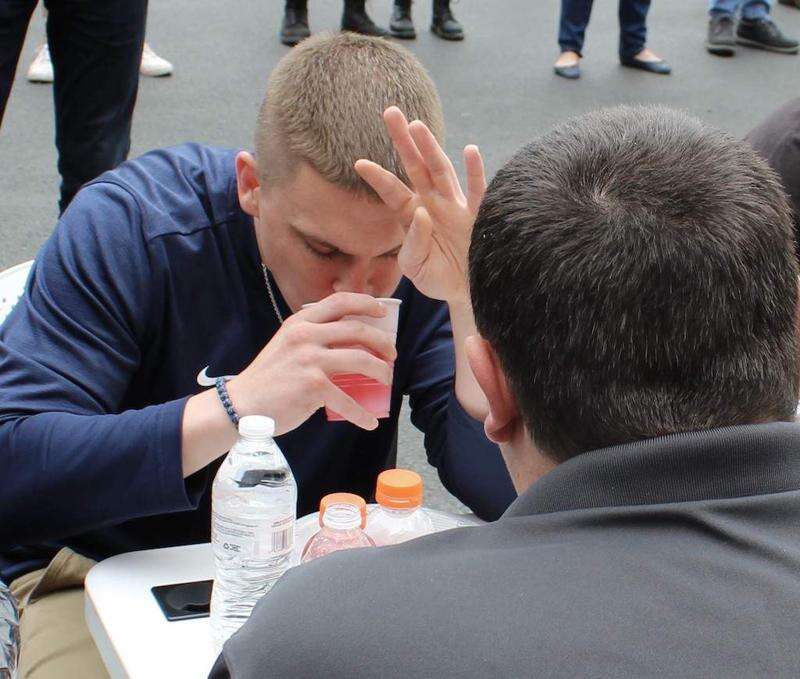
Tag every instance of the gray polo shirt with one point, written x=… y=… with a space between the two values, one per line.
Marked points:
x=673 y=557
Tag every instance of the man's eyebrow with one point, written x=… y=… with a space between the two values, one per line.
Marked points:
x=325 y=244
x=314 y=239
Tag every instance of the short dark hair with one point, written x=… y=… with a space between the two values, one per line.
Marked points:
x=634 y=271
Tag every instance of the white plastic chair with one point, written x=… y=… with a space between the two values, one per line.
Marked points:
x=12 y=285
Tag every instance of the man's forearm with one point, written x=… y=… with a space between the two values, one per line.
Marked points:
x=468 y=392
x=206 y=432
x=126 y=462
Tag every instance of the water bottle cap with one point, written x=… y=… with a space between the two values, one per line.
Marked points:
x=343 y=499
x=399 y=489
x=256 y=426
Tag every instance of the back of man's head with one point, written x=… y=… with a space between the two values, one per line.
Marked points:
x=634 y=272
x=324 y=106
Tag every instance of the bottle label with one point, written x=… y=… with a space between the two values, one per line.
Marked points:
x=281 y=539
x=250 y=539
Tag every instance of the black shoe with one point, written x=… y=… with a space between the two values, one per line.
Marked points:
x=720 y=40
x=356 y=20
x=790 y=3
x=295 y=23
x=401 y=26
x=765 y=35
x=444 y=24
x=660 y=67
x=569 y=72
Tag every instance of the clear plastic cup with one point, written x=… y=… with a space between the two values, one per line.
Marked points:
x=375 y=397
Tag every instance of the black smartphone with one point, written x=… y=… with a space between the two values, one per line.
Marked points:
x=184 y=600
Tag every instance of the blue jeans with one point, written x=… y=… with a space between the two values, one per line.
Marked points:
x=632 y=25
x=748 y=9
x=96 y=48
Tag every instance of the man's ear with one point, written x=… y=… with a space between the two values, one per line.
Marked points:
x=248 y=183
x=503 y=419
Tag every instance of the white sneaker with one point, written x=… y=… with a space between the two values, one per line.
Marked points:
x=153 y=65
x=41 y=68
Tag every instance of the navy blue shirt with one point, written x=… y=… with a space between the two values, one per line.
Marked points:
x=152 y=276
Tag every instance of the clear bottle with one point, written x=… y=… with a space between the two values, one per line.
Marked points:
x=9 y=634
x=342 y=517
x=254 y=508
x=399 y=515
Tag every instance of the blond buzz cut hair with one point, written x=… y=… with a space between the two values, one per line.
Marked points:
x=324 y=106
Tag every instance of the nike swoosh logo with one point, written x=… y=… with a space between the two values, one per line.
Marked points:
x=205 y=381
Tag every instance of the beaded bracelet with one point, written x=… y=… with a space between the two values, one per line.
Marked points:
x=222 y=392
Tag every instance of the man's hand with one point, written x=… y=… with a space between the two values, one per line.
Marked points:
x=290 y=379
x=439 y=215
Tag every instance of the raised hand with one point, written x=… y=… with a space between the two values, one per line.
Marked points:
x=438 y=214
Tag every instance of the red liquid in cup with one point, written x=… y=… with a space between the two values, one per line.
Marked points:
x=375 y=397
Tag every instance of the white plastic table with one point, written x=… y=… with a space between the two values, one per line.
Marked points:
x=134 y=638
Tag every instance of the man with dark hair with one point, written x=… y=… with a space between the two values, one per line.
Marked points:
x=634 y=285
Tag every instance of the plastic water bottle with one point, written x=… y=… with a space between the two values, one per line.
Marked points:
x=254 y=508
x=399 y=515
x=342 y=517
x=9 y=634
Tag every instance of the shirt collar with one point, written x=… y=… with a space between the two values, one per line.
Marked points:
x=706 y=465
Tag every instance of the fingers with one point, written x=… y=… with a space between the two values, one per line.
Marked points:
x=397 y=127
x=339 y=304
x=356 y=333
x=417 y=245
x=440 y=169
x=356 y=361
x=346 y=406
x=476 y=177
x=389 y=188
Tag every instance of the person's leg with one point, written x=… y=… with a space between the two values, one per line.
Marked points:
x=294 y=27
x=633 y=27
x=153 y=65
x=572 y=25
x=356 y=20
x=723 y=7
x=15 y=15
x=756 y=29
x=443 y=23
x=401 y=24
x=755 y=10
x=721 y=16
x=633 y=52
x=56 y=642
x=96 y=49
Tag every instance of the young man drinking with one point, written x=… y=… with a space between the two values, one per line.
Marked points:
x=193 y=264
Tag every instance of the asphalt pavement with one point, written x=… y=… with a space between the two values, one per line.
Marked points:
x=497 y=87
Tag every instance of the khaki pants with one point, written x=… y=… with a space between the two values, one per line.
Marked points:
x=56 y=643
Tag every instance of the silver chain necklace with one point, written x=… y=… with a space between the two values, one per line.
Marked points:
x=271 y=294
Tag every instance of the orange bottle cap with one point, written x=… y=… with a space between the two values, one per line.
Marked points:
x=343 y=499
x=399 y=489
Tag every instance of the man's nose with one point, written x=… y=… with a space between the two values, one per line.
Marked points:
x=355 y=279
